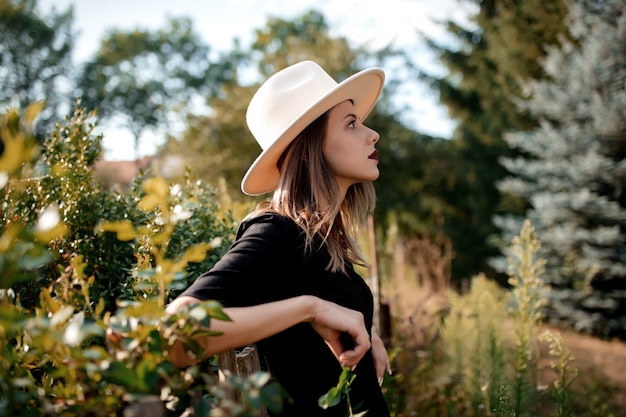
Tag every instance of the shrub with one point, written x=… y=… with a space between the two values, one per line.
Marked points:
x=86 y=274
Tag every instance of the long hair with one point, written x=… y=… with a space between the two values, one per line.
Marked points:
x=308 y=193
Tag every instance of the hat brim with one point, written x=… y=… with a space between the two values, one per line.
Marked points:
x=363 y=88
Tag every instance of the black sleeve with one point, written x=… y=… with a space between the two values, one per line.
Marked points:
x=256 y=267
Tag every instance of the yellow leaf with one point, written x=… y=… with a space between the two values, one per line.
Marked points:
x=197 y=253
x=46 y=301
x=124 y=229
x=8 y=237
x=61 y=316
x=157 y=186
x=13 y=155
x=149 y=202
x=47 y=235
x=32 y=111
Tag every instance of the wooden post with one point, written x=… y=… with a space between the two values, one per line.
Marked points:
x=373 y=272
x=244 y=364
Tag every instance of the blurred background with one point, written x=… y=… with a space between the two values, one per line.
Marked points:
x=494 y=112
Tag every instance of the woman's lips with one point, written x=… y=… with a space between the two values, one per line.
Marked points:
x=374 y=155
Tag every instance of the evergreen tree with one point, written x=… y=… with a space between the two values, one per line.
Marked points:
x=502 y=46
x=573 y=170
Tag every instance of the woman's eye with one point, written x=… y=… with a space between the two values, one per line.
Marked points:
x=352 y=123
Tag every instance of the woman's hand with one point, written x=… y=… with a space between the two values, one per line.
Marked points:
x=331 y=321
x=381 y=359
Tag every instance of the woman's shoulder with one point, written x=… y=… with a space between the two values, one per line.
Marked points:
x=268 y=222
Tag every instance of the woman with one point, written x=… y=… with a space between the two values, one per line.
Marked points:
x=288 y=282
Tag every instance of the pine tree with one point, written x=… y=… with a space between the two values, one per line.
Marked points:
x=500 y=47
x=573 y=170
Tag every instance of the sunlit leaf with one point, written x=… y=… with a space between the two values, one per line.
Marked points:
x=149 y=203
x=100 y=307
x=260 y=378
x=179 y=214
x=330 y=399
x=124 y=229
x=61 y=316
x=4 y=179
x=198 y=313
x=49 y=225
x=8 y=237
x=13 y=155
x=32 y=111
x=22 y=382
x=143 y=309
x=197 y=253
x=48 y=302
x=157 y=186
x=72 y=335
x=215 y=310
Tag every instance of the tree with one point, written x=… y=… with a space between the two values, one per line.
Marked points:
x=572 y=169
x=35 y=53
x=501 y=47
x=150 y=78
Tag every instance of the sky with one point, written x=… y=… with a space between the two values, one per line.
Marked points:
x=374 y=23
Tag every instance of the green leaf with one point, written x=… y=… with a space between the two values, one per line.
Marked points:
x=273 y=395
x=259 y=379
x=34 y=256
x=95 y=353
x=203 y=407
x=118 y=373
x=214 y=309
x=330 y=399
x=338 y=392
x=147 y=375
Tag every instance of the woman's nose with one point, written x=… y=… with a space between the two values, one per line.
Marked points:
x=375 y=137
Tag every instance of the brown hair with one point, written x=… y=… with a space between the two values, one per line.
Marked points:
x=308 y=193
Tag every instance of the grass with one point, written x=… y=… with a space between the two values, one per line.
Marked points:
x=477 y=353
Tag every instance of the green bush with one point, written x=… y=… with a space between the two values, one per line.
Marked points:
x=86 y=273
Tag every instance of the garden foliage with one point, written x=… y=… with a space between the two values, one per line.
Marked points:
x=85 y=276
x=485 y=356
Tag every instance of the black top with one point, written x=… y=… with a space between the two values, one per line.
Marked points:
x=267 y=263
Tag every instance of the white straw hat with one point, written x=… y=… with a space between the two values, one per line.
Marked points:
x=288 y=102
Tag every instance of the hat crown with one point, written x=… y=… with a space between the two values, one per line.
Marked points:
x=284 y=97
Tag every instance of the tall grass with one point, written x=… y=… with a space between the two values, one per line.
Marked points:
x=480 y=356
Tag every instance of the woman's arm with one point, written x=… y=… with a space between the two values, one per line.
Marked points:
x=251 y=324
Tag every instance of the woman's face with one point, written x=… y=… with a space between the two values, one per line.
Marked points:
x=348 y=147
